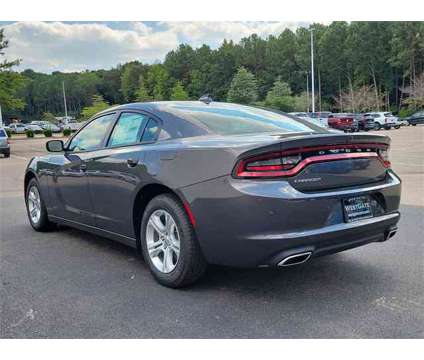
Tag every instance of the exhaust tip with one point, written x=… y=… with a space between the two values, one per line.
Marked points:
x=390 y=234
x=295 y=259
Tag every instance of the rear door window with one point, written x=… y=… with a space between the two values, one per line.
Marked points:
x=151 y=131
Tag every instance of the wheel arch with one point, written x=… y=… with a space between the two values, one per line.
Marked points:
x=143 y=197
x=28 y=177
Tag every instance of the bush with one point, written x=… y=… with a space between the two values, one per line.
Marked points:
x=47 y=133
x=66 y=132
x=29 y=133
x=8 y=132
x=404 y=112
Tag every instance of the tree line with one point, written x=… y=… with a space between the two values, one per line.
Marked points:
x=359 y=66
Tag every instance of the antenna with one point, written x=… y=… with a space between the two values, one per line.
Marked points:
x=207 y=99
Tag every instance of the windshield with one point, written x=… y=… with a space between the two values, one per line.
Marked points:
x=232 y=119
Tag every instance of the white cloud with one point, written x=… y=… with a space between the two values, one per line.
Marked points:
x=61 y=46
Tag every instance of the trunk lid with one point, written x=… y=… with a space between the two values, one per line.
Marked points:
x=326 y=161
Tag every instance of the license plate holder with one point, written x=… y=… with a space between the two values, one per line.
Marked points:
x=357 y=208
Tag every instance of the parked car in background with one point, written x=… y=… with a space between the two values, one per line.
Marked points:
x=128 y=175
x=72 y=125
x=17 y=128
x=35 y=128
x=384 y=120
x=343 y=121
x=4 y=143
x=305 y=116
x=321 y=116
x=46 y=125
x=365 y=122
x=416 y=118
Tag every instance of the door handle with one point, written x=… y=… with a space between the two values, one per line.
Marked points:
x=132 y=162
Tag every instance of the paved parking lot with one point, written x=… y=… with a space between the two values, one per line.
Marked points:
x=68 y=284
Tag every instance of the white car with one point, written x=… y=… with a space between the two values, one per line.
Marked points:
x=34 y=127
x=320 y=117
x=17 y=128
x=71 y=125
x=384 y=120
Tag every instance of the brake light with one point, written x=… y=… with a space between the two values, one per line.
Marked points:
x=384 y=156
x=290 y=162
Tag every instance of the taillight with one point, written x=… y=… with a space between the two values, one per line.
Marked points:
x=291 y=162
x=384 y=156
x=269 y=163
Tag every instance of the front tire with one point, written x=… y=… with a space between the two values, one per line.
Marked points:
x=377 y=126
x=36 y=209
x=169 y=244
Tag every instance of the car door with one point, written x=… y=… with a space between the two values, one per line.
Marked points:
x=116 y=171
x=70 y=183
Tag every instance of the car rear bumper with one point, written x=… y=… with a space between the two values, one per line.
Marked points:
x=259 y=223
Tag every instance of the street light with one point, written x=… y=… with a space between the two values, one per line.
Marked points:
x=312 y=70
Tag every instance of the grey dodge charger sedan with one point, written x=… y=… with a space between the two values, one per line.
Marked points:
x=197 y=182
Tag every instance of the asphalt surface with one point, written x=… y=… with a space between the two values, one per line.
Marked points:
x=69 y=284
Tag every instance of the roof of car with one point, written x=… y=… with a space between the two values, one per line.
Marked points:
x=163 y=105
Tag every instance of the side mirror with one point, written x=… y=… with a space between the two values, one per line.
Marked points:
x=54 y=146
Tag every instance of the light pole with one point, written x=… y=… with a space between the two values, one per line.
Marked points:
x=312 y=70
x=64 y=100
x=307 y=89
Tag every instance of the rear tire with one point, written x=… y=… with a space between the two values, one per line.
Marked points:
x=173 y=254
x=377 y=126
x=397 y=127
x=36 y=209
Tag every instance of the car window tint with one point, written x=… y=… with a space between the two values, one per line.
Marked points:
x=92 y=136
x=234 y=120
x=2 y=133
x=128 y=129
x=150 y=133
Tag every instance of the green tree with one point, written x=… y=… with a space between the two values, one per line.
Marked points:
x=156 y=82
x=130 y=80
x=48 y=116
x=10 y=82
x=178 y=92
x=98 y=104
x=279 y=97
x=142 y=94
x=243 y=87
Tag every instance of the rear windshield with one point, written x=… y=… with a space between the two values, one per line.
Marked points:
x=388 y=114
x=2 y=133
x=239 y=119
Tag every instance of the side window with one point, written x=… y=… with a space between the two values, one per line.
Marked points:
x=128 y=129
x=151 y=131
x=92 y=136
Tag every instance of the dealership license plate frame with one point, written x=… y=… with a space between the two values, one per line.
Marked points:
x=357 y=208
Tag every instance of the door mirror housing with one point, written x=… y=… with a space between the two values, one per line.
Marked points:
x=55 y=146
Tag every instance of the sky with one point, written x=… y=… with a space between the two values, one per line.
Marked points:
x=79 y=46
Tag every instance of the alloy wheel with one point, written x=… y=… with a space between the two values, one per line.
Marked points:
x=34 y=204
x=163 y=241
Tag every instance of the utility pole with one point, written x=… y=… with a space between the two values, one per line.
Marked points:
x=312 y=70
x=1 y=118
x=64 y=100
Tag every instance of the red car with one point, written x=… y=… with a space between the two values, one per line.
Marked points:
x=343 y=121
